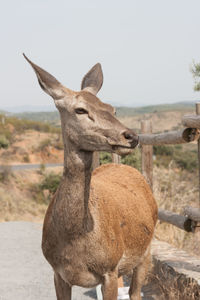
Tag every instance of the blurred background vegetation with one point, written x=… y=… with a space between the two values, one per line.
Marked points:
x=11 y=126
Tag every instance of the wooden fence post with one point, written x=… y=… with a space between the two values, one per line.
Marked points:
x=198 y=113
x=3 y=120
x=147 y=154
x=116 y=159
x=197 y=229
x=96 y=160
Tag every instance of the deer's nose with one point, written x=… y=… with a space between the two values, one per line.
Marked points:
x=128 y=135
x=131 y=137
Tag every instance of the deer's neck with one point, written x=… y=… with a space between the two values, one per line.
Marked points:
x=71 y=209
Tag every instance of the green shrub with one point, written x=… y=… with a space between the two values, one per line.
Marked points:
x=5 y=172
x=42 y=168
x=44 y=144
x=4 y=143
x=163 y=150
x=183 y=158
x=20 y=126
x=133 y=159
x=38 y=194
x=178 y=147
x=105 y=158
x=43 y=192
x=162 y=160
x=186 y=160
x=6 y=133
x=26 y=158
x=58 y=144
x=51 y=182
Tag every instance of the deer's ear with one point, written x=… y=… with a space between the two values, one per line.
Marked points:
x=47 y=82
x=93 y=80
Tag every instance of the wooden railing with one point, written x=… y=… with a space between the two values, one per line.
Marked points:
x=191 y=219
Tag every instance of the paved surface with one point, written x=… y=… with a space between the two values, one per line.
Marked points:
x=29 y=166
x=24 y=272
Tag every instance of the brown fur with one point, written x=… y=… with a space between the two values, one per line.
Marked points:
x=123 y=214
x=96 y=228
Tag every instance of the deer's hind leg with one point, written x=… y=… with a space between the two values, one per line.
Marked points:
x=138 y=278
x=63 y=290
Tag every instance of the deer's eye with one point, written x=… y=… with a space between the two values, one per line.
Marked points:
x=81 y=111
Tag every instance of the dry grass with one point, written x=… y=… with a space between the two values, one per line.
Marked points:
x=19 y=209
x=165 y=288
x=16 y=200
x=162 y=121
x=19 y=198
x=33 y=147
x=174 y=189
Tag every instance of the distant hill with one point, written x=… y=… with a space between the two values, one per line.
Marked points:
x=53 y=116
x=164 y=117
x=3 y=112
x=49 y=116
x=133 y=111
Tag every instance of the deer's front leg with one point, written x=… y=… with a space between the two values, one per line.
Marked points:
x=110 y=286
x=63 y=290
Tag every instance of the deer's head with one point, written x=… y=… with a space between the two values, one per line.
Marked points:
x=87 y=122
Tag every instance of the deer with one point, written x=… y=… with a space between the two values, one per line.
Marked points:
x=98 y=225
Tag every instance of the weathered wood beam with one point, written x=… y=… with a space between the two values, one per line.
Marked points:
x=198 y=145
x=172 y=137
x=116 y=159
x=192 y=213
x=147 y=153
x=192 y=121
x=179 y=221
x=95 y=160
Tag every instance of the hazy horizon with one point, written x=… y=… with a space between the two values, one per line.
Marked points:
x=51 y=108
x=145 y=48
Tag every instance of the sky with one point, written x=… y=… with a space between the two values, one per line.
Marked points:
x=145 y=48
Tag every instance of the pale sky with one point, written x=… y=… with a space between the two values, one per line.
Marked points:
x=145 y=48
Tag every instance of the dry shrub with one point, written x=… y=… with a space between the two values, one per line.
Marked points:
x=17 y=205
x=176 y=288
x=4 y=143
x=44 y=144
x=58 y=143
x=43 y=191
x=173 y=190
x=5 y=173
x=26 y=158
